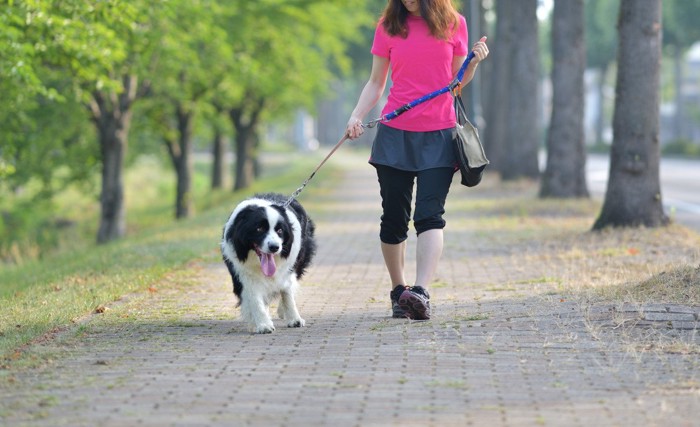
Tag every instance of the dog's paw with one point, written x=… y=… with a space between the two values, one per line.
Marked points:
x=264 y=328
x=297 y=323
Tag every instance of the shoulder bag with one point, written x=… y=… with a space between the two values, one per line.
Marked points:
x=468 y=149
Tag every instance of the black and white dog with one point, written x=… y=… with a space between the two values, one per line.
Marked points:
x=267 y=248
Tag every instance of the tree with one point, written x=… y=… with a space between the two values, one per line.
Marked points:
x=105 y=49
x=522 y=130
x=497 y=105
x=565 y=175
x=189 y=69
x=74 y=51
x=633 y=196
x=218 y=149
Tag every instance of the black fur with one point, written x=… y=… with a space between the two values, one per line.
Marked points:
x=250 y=227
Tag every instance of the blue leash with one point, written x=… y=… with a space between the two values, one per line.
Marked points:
x=450 y=87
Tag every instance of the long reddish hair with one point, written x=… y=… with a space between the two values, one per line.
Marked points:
x=440 y=15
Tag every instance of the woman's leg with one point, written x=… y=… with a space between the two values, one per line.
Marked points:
x=428 y=253
x=431 y=193
x=394 y=256
x=396 y=189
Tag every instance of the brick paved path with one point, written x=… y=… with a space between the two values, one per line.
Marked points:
x=503 y=347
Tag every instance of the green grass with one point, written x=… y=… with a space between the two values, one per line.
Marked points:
x=40 y=296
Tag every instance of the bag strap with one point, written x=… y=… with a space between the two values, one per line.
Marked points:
x=460 y=109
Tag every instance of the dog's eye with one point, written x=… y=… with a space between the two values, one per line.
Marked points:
x=279 y=232
x=260 y=229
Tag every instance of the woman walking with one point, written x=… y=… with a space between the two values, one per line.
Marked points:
x=424 y=43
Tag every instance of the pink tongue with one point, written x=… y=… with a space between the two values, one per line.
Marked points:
x=267 y=264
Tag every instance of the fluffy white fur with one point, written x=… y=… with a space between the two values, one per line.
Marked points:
x=256 y=230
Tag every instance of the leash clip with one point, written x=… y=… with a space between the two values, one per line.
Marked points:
x=372 y=123
x=456 y=88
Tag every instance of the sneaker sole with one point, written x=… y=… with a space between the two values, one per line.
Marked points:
x=414 y=307
x=397 y=312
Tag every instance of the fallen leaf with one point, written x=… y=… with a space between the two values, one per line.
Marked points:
x=101 y=309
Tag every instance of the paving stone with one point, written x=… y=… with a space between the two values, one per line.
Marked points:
x=685 y=325
x=668 y=317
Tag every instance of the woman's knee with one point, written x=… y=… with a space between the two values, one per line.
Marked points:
x=431 y=223
x=392 y=233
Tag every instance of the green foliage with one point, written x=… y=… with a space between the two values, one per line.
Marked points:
x=56 y=58
x=287 y=52
x=680 y=23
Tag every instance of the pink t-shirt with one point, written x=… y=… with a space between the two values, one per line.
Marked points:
x=420 y=64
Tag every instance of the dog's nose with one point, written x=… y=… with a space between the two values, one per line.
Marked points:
x=273 y=247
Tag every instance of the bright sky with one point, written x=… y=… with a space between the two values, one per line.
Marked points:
x=544 y=9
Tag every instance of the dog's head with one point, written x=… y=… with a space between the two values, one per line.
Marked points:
x=264 y=229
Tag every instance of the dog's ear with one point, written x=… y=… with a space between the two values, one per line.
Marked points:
x=287 y=239
x=239 y=233
x=287 y=232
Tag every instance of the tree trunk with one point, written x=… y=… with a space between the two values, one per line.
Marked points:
x=111 y=113
x=496 y=112
x=257 y=165
x=522 y=121
x=112 y=133
x=245 y=168
x=245 y=121
x=565 y=175
x=183 y=202
x=180 y=151
x=218 y=153
x=633 y=196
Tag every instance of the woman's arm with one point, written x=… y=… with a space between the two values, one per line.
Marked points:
x=370 y=95
x=481 y=51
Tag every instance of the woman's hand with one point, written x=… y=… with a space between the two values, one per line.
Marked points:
x=354 y=128
x=370 y=95
x=481 y=51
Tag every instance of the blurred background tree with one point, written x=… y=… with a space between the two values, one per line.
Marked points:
x=633 y=195
x=565 y=172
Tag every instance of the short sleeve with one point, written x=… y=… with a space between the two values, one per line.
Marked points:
x=461 y=38
x=380 y=45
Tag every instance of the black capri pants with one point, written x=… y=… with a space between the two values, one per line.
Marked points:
x=396 y=189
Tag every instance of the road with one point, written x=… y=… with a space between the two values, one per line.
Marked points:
x=680 y=186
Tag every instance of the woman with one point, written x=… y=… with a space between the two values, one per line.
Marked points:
x=424 y=42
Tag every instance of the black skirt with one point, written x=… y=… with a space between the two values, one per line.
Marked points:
x=413 y=151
